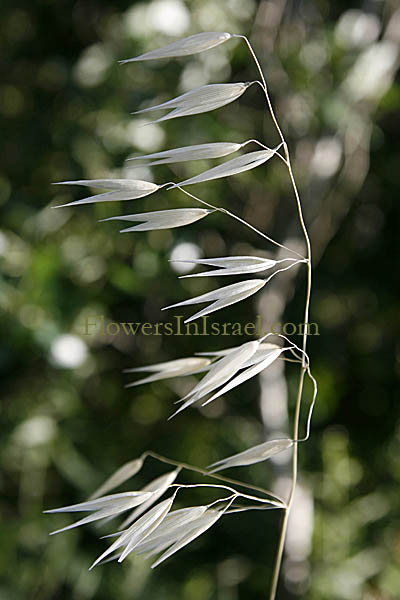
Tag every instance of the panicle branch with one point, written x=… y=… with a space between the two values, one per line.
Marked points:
x=152 y=527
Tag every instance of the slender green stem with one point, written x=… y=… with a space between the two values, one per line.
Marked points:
x=304 y=365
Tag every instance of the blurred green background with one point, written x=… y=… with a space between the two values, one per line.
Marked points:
x=66 y=420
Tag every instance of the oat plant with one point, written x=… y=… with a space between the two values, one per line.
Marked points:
x=154 y=527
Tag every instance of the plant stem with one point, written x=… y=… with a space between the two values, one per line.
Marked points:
x=285 y=520
x=282 y=536
x=183 y=465
x=237 y=218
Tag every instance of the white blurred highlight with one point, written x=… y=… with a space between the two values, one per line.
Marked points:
x=169 y=16
x=356 y=28
x=300 y=528
x=372 y=73
x=35 y=431
x=68 y=351
x=184 y=251
x=327 y=157
x=151 y=142
x=91 y=68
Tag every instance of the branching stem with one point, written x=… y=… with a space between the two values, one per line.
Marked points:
x=183 y=465
x=233 y=216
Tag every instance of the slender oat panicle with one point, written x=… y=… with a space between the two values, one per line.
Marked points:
x=153 y=525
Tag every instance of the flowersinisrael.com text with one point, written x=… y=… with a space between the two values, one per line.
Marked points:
x=100 y=325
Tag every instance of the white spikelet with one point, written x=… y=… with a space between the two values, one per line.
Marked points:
x=219 y=373
x=163 y=219
x=231 y=265
x=156 y=488
x=207 y=520
x=197 y=152
x=232 y=167
x=185 y=46
x=121 y=475
x=169 y=369
x=175 y=525
x=102 y=508
x=200 y=100
x=138 y=531
x=263 y=352
x=252 y=371
x=252 y=455
x=222 y=297
x=262 y=347
x=121 y=189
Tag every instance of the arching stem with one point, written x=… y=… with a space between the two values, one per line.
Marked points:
x=304 y=366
